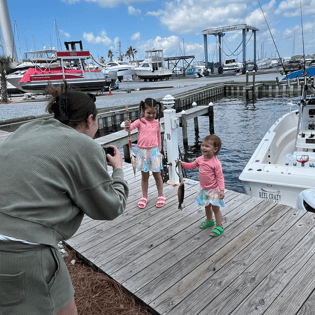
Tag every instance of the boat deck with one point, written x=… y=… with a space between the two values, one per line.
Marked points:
x=264 y=262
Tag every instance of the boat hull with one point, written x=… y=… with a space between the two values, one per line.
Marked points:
x=270 y=174
x=81 y=84
x=154 y=75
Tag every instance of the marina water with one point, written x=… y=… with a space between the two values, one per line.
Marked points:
x=241 y=127
x=239 y=124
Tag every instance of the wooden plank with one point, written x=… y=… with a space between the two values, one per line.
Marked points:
x=221 y=278
x=308 y=307
x=159 y=292
x=259 y=300
x=217 y=255
x=237 y=291
x=187 y=231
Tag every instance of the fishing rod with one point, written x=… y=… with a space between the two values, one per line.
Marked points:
x=273 y=40
x=304 y=74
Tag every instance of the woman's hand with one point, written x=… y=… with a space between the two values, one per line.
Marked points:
x=127 y=125
x=116 y=160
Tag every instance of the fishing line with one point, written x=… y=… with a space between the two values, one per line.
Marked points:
x=272 y=38
x=302 y=37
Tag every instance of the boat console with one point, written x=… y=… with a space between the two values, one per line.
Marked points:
x=305 y=141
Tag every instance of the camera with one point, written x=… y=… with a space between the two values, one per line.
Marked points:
x=109 y=151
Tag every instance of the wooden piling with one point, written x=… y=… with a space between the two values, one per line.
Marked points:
x=211 y=115
x=184 y=128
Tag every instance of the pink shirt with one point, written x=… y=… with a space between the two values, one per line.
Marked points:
x=210 y=172
x=149 y=133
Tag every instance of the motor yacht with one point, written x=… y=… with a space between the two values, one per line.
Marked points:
x=152 y=68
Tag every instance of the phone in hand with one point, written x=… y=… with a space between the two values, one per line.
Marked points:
x=109 y=151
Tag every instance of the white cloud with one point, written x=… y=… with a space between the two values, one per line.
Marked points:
x=135 y=36
x=167 y=44
x=99 y=39
x=133 y=11
x=64 y=33
x=106 y=3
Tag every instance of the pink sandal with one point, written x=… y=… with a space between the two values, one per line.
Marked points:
x=160 y=202
x=143 y=202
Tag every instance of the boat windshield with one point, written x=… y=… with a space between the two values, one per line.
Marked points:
x=145 y=65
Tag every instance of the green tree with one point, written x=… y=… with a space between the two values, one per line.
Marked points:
x=102 y=60
x=5 y=63
x=131 y=53
x=110 y=55
x=121 y=57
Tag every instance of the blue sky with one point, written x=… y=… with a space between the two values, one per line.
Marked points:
x=169 y=25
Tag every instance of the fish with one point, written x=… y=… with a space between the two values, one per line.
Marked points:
x=132 y=154
x=181 y=187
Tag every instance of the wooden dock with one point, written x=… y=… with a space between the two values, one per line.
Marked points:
x=264 y=262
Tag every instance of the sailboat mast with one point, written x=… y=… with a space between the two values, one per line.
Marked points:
x=7 y=33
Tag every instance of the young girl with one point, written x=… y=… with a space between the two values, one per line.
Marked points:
x=211 y=178
x=149 y=157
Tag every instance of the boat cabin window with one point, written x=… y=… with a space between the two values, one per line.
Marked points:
x=145 y=65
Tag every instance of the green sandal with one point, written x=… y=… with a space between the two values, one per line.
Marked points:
x=206 y=224
x=218 y=230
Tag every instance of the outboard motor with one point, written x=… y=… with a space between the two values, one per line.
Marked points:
x=306 y=200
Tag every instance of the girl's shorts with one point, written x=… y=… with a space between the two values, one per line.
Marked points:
x=149 y=160
x=204 y=197
x=34 y=280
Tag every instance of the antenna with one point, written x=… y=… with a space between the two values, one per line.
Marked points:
x=26 y=41
x=57 y=36
x=1 y=46
x=303 y=39
x=17 y=35
x=293 y=51
x=33 y=43
x=272 y=38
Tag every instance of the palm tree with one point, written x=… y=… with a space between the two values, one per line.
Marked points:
x=134 y=50
x=5 y=63
x=131 y=53
x=102 y=60
x=110 y=55
x=121 y=57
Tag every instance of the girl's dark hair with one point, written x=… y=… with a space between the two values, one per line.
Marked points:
x=149 y=102
x=69 y=106
x=216 y=142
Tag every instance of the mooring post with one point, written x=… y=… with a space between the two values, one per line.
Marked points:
x=210 y=113
x=184 y=128
x=194 y=104
x=246 y=78
x=171 y=124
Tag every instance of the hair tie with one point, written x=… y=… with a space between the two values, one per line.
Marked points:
x=63 y=108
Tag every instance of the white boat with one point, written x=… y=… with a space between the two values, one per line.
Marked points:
x=121 y=67
x=199 y=68
x=232 y=64
x=283 y=164
x=152 y=68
